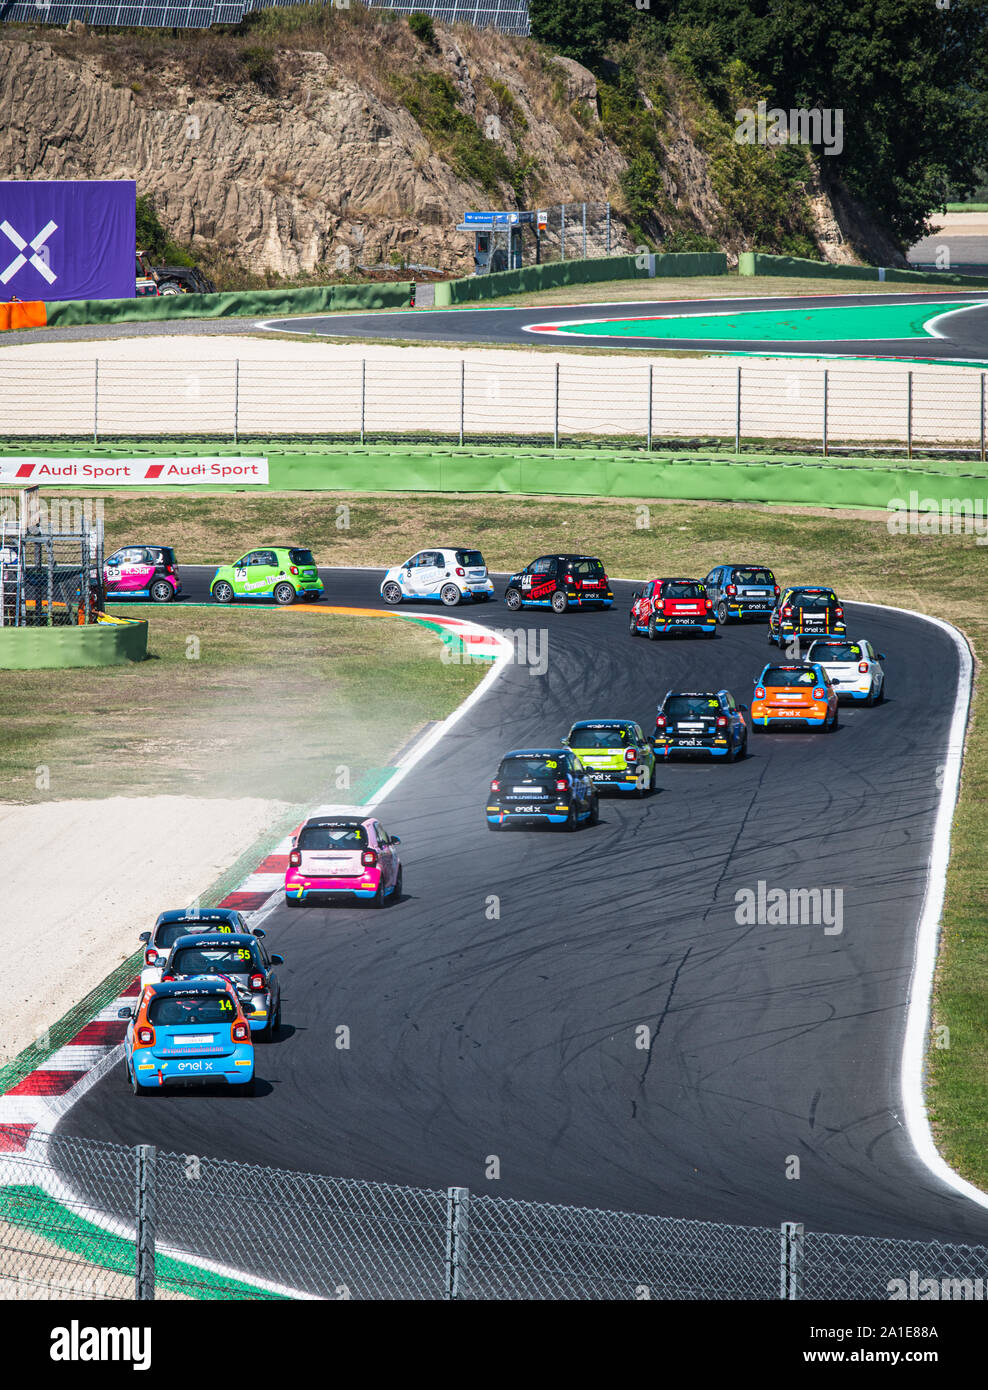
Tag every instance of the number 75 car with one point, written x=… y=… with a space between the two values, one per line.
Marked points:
x=186 y=1033
x=280 y=572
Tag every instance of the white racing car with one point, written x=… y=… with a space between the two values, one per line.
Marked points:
x=854 y=667
x=444 y=576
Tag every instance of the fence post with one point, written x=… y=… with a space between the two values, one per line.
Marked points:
x=608 y=229
x=463 y=368
x=96 y=401
x=584 y=231
x=737 y=418
x=909 y=414
x=144 y=1204
x=562 y=231
x=791 y=1264
x=982 y=417
x=826 y=382
x=236 y=400
x=363 y=395
x=457 y=1213
x=649 y=443
x=555 y=421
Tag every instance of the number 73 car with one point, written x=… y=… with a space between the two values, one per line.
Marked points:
x=186 y=1033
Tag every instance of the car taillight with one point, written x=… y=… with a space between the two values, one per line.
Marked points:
x=722 y=721
x=369 y=858
x=863 y=667
x=709 y=603
x=495 y=785
x=167 y=979
x=460 y=571
x=630 y=755
x=561 y=784
x=569 y=579
x=294 y=859
x=293 y=569
x=145 y=1036
x=256 y=982
x=150 y=956
x=760 y=692
x=819 y=693
x=731 y=589
x=776 y=591
x=660 y=721
x=787 y=612
x=169 y=569
x=839 y=612
x=240 y=1031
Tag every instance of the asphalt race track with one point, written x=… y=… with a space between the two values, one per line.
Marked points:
x=964 y=335
x=516 y=1037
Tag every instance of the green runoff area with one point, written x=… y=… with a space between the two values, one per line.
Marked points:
x=941 y=575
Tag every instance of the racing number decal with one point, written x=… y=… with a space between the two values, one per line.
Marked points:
x=243 y=953
x=240 y=574
x=225 y=1004
x=526 y=581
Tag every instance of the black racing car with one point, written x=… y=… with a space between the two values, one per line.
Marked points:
x=541 y=786
x=244 y=960
x=705 y=722
x=559 y=582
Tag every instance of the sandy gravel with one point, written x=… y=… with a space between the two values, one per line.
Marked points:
x=86 y=877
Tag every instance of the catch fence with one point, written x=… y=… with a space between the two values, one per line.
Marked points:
x=873 y=409
x=87 y=1219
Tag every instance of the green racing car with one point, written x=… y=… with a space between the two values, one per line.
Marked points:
x=280 y=572
x=616 y=753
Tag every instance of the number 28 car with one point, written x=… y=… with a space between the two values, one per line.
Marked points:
x=616 y=753
x=189 y=1032
x=672 y=605
x=799 y=694
x=854 y=667
x=444 y=576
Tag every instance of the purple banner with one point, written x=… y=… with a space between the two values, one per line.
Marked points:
x=67 y=239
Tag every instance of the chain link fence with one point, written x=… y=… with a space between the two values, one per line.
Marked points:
x=799 y=408
x=86 y=1219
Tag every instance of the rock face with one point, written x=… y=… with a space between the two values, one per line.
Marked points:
x=321 y=167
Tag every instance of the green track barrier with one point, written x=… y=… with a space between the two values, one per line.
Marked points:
x=238 y=304
x=544 y=277
x=758 y=263
x=782 y=479
x=47 y=648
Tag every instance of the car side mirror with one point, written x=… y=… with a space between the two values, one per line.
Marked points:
x=395 y=840
x=125 y=1013
x=259 y=931
x=880 y=657
x=742 y=709
x=277 y=960
x=565 y=741
x=144 y=936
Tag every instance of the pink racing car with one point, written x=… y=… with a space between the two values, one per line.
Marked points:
x=342 y=857
x=142 y=571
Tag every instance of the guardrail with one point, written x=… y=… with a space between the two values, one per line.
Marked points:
x=873 y=408
x=83 y=1218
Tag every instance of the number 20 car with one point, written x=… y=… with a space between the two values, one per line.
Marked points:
x=185 y=1033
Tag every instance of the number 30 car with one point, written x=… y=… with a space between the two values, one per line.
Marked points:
x=538 y=786
x=189 y=1032
x=281 y=572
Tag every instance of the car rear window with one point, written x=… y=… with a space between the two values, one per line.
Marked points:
x=822 y=599
x=586 y=569
x=332 y=837
x=612 y=736
x=780 y=676
x=753 y=576
x=690 y=706
x=301 y=557
x=167 y=934
x=540 y=765
x=683 y=590
x=221 y=960
x=172 y=1012
x=836 y=651
x=470 y=559
x=162 y=554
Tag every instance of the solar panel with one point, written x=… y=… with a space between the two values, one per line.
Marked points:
x=509 y=16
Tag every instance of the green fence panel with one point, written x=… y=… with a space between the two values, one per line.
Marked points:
x=99 y=644
x=241 y=303
x=543 y=277
x=759 y=263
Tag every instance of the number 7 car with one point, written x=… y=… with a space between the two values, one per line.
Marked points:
x=187 y=1033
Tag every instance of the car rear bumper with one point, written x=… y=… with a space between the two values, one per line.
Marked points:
x=302 y=887
x=692 y=749
x=791 y=718
x=554 y=814
x=234 y=1069
x=749 y=610
x=708 y=624
x=615 y=780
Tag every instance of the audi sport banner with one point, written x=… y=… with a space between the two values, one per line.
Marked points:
x=67 y=239
x=121 y=472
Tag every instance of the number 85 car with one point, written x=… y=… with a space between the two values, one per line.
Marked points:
x=186 y=1033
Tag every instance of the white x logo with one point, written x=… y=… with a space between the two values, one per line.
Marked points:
x=36 y=243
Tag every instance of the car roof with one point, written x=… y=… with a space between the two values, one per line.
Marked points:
x=790 y=666
x=210 y=984
x=242 y=938
x=280 y=545
x=342 y=821
x=564 y=555
x=205 y=914
x=535 y=753
x=694 y=694
x=602 y=723
x=675 y=579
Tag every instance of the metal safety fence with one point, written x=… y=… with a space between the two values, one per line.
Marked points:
x=872 y=408
x=86 y=1219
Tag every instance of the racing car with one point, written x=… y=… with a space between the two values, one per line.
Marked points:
x=282 y=572
x=798 y=694
x=541 y=786
x=672 y=605
x=701 y=722
x=560 y=582
x=343 y=857
x=180 y=921
x=188 y=1032
x=240 y=958
x=446 y=576
x=616 y=754
x=807 y=611
x=854 y=667
x=142 y=571
x=741 y=591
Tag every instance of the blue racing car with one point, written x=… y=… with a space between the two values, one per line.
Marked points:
x=188 y=1032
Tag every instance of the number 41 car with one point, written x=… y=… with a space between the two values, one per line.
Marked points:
x=189 y=1032
x=799 y=694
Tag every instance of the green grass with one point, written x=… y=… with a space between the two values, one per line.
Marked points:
x=940 y=575
x=288 y=705
x=967 y=207
x=730 y=286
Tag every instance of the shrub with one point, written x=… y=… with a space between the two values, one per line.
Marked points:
x=423 y=28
